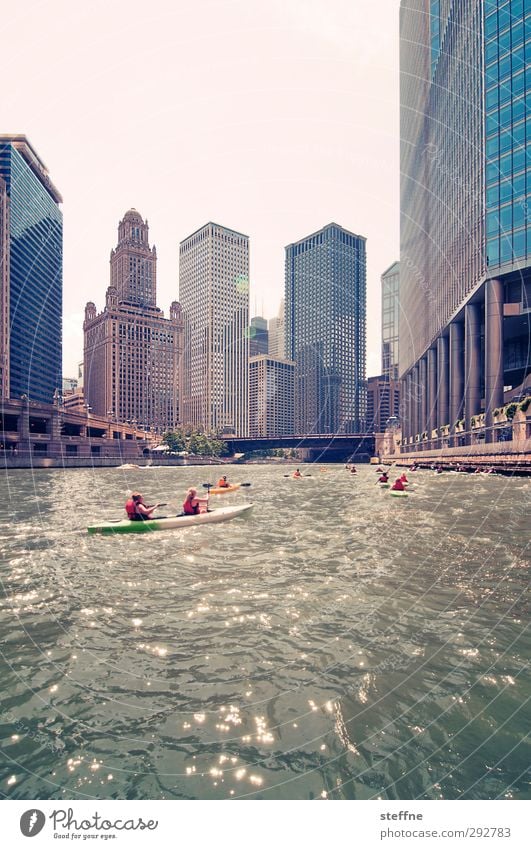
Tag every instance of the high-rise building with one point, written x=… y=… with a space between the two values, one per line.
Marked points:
x=4 y=292
x=383 y=402
x=465 y=277
x=258 y=337
x=390 y=318
x=325 y=330
x=214 y=294
x=277 y=334
x=132 y=353
x=270 y=396
x=32 y=265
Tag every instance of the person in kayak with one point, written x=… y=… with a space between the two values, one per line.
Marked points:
x=192 y=504
x=403 y=478
x=223 y=482
x=384 y=478
x=398 y=485
x=136 y=510
x=297 y=474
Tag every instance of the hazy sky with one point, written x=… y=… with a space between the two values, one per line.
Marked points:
x=273 y=117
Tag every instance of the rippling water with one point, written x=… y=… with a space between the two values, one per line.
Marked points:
x=335 y=643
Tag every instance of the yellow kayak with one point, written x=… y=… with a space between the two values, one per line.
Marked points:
x=222 y=490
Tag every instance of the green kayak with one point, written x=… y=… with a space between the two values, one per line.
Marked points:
x=126 y=526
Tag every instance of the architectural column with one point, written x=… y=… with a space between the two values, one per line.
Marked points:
x=443 y=412
x=415 y=404
x=457 y=381
x=472 y=363
x=54 y=446
x=432 y=394
x=24 y=443
x=423 y=399
x=410 y=408
x=404 y=424
x=493 y=353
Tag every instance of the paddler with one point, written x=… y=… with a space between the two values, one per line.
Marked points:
x=136 y=510
x=223 y=482
x=384 y=478
x=192 y=504
x=398 y=485
x=403 y=478
x=297 y=474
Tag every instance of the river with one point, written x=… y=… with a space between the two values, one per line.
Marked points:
x=336 y=643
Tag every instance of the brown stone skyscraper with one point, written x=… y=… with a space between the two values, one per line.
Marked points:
x=131 y=352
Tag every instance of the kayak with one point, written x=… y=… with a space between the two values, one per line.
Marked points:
x=383 y=485
x=399 y=493
x=126 y=526
x=222 y=490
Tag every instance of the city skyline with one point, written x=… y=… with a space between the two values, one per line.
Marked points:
x=305 y=140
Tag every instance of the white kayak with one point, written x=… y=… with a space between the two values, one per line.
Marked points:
x=126 y=526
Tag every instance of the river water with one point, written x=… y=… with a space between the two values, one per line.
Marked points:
x=336 y=643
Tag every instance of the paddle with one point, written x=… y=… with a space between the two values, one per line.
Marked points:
x=208 y=485
x=162 y=504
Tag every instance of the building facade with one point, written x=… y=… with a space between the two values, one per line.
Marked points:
x=31 y=269
x=390 y=320
x=270 y=396
x=214 y=294
x=465 y=277
x=383 y=402
x=277 y=333
x=258 y=337
x=4 y=292
x=131 y=352
x=325 y=330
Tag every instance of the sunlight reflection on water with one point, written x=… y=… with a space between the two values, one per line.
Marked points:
x=337 y=643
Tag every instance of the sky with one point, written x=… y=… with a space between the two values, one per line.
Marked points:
x=272 y=118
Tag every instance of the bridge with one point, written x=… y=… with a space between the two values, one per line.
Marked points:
x=326 y=446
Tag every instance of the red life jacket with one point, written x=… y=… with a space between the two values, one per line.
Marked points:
x=189 y=508
x=398 y=485
x=130 y=509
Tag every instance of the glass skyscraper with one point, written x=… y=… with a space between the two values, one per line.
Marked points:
x=465 y=276
x=35 y=272
x=325 y=308
x=390 y=320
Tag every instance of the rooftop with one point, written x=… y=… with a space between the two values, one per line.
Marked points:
x=23 y=146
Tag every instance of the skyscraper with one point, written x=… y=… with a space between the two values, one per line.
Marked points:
x=277 y=333
x=325 y=330
x=258 y=336
x=390 y=320
x=132 y=353
x=465 y=278
x=4 y=292
x=32 y=263
x=214 y=294
x=270 y=396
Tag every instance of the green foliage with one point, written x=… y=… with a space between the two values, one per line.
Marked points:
x=174 y=440
x=525 y=404
x=510 y=410
x=195 y=441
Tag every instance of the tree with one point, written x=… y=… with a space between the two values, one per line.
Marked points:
x=174 y=440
